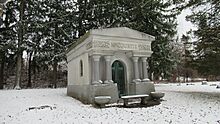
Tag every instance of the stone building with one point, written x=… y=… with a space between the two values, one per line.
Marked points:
x=109 y=62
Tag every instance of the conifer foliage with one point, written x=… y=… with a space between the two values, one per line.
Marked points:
x=206 y=16
x=46 y=28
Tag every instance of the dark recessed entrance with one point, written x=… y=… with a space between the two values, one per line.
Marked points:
x=118 y=76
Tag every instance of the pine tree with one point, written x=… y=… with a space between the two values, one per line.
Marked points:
x=47 y=27
x=33 y=29
x=206 y=16
x=153 y=17
x=57 y=31
x=8 y=38
x=19 y=45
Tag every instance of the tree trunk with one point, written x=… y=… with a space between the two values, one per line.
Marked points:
x=29 y=85
x=2 y=65
x=55 y=74
x=18 y=72
x=34 y=70
x=19 y=52
x=55 y=62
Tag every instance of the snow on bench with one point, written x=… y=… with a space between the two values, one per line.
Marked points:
x=142 y=96
x=102 y=100
x=157 y=95
x=134 y=96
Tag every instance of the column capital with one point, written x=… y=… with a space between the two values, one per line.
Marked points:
x=144 y=59
x=135 y=58
x=107 y=58
x=96 y=57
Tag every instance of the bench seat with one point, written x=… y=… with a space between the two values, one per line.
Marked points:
x=157 y=95
x=134 y=96
x=102 y=100
x=126 y=98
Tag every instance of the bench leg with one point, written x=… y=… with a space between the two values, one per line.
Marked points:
x=142 y=101
x=125 y=102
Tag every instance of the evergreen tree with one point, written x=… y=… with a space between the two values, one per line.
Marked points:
x=45 y=28
x=19 y=44
x=58 y=31
x=34 y=29
x=154 y=17
x=8 y=38
x=150 y=16
x=206 y=16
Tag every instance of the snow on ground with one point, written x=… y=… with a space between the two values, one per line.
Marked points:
x=210 y=87
x=184 y=104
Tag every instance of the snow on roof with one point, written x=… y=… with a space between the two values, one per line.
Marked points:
x=122 y=32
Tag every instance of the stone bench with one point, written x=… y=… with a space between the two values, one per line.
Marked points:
x=204 y=82
x=126 y=98
x=157 y=95
x=102 y=100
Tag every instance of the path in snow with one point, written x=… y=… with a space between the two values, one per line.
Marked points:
x=45 y=106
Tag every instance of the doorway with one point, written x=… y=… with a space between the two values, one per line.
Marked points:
x=118 y=76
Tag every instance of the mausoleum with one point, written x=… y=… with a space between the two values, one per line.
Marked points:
x=109 y=62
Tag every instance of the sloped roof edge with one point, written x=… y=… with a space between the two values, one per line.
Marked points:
x=113 y=32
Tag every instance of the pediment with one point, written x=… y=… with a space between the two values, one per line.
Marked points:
x=122 y=32
x=120 y=38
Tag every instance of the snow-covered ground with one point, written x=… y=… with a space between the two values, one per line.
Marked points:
x=184 y=104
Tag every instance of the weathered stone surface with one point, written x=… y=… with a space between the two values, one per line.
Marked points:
x=97 y=50
x=157 y=95
x=204 y=83
x=102 y=100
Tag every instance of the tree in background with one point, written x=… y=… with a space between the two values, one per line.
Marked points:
x=46 y=28
x=187 y=58
x=154 y=17
x=19 y=51
x=150 y=16
x=206 y=16
x=33 y=31
x=58 y=32
x=8 y=39
x=49 y=29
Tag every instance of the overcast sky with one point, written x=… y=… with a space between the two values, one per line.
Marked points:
x=183 y=25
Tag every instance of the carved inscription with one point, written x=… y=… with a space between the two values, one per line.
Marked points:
x=124 y=46
x=118 y=45
x=89 y=45
x=144 y=47
x=101 y=44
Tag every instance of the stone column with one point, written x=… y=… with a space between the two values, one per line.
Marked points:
x=145 y=66
x=96 y=78
x=136 y=71
x=108 y=70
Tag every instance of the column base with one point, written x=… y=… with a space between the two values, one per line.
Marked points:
x=97 y=82
x=108 y=81
x=136 y=80
x=146 y=80
x=17 y=87
x=111 y=81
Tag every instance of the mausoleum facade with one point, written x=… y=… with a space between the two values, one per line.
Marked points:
x=109 y=62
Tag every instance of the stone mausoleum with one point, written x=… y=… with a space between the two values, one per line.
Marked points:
x=109 y=62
